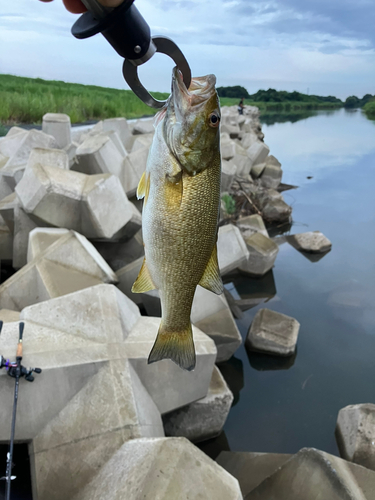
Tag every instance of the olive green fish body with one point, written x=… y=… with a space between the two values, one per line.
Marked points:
x=179 y=228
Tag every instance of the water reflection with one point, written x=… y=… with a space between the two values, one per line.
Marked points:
x=232 y=371
x=264 y=362
x=213 y=447
x=250 y=292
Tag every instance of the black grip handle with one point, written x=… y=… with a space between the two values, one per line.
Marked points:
x=37 y=370
x=1 y=325
x=21 y=328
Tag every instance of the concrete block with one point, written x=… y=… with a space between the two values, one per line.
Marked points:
x=9 y=316
x=142 y=141
x=70 y=150
x=203 y=419
x=262 y=255
x=248 y=139
x=242 y=161
x=271 y=176
x=23 y=224
x=228 y=171
x=310 y=474
x=115 y=138
x=271 y=160
x=311 y=242
x=120 y=254
x=12 y=141
x=227 y=147
x=126 y=277
x=49 y=158
x=120 y=126
x=57 y=125
x=355 y=434
x=5 y=189
x=232 y=130
x=144 y=126
x=251 y=468
x=258 y=153
x=6 y=241
x=273 y=332
x=211 y=314
x=257 y=170
x=273 y=206
x=231 y=247
x=130 y=176
x=7 y=206
x=94 y=205
x=138 y=159
x=61 y=265
x=252 y=224
x=98 y=155
x=196 y=476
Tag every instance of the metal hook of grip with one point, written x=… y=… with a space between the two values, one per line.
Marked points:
x=163 y=45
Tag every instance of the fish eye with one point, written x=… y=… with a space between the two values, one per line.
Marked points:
x=214 y=120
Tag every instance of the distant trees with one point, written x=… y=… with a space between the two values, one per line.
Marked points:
x=273 y=95
x=355 y=102
x=236 y=91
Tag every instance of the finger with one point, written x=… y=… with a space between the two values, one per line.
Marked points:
x=74 y=6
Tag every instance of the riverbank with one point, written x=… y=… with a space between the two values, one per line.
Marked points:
x=24 y=101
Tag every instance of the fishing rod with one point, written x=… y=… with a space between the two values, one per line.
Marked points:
x=15 y=370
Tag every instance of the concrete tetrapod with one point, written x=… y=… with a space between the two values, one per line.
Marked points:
x=311 y=475
x=94 y=205
x=355 y=434
x=231 y=248
x=205 y=418
x=96 y=391
x=254 y=469
x=161 y=469
x=273 y=332
x=262 y=255
x=60 y=262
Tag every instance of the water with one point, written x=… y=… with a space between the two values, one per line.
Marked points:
x=286 y=404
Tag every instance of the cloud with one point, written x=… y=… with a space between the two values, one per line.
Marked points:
x=327 y=45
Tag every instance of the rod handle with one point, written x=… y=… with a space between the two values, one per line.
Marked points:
x=19 y=345
x=1 y=325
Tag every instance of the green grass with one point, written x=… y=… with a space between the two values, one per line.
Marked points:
x=369 y=109
x=26 y=100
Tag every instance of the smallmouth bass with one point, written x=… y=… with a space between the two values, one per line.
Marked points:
x=181 y=191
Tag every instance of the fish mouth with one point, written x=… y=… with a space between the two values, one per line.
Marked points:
x=201 y=89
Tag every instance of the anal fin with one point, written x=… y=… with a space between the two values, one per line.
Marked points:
x=143 y=283
x=211 y=279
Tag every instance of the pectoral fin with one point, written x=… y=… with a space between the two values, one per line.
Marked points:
x=143 y=188
x=144 y=282
x=211 y=279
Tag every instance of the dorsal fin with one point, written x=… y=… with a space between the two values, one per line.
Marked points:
x=211 y=279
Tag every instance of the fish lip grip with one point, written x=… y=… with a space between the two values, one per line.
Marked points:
x=129 y=34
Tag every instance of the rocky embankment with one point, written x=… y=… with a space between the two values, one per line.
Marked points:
x=97 y=417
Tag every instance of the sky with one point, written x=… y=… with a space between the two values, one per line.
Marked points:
x=323 y=47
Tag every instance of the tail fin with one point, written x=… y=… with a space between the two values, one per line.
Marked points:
x=177 y=346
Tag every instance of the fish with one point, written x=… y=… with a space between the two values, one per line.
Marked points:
x=180 y=189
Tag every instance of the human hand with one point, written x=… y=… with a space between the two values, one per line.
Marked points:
x=77 y=7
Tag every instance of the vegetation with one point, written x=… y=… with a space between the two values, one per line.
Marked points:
x=229 y=203
x=355 y=102
x=369 y=109
x=26 y=100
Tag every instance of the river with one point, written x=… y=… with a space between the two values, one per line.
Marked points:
x=282 y=405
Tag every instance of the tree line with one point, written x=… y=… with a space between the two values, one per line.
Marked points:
x=273 y=95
